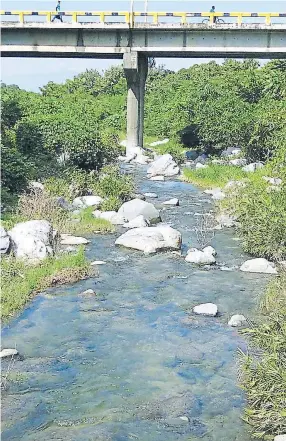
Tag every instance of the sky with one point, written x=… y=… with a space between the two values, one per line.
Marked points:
x=32 y=73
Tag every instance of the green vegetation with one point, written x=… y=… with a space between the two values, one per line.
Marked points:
x=264 y=371
x=214 y=175
x=20 y=282
x=85 y=223
x=174 y=147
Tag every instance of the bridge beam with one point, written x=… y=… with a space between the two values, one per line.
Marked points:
x=136 y=68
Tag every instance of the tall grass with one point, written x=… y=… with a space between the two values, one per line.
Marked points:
x=20 y=282
x=264 y=368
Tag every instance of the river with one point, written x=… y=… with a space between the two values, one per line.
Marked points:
x=134 y=363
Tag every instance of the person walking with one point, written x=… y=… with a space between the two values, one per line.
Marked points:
x=58 y=9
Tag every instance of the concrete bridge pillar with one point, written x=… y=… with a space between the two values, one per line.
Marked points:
x=136 y=68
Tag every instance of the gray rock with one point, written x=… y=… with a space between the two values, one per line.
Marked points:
x=151 y=240
x=218 y=162
x=218 y=196
x=163 y=165
x=272 y=181
x=212 y=191
x=253 y=166
x=67 y=239
x=5 y=353
x=155 y=143
x=226 y=220
x=4 y=241
x=138 y=196
x=259 y=265
x=138 y=222
x=199 y=166
x=174 y=202
x=237 y=320
x=111 y=216
x=33 y=185
x=136 y=207
x=157 y=178
x=97 y=262
x=234 y=184
x=87 y=201
x=204 y=257
x=151 y=195
x=65 y=205
x=209 y=309
x=88 y=293
x=239 y=162
x=202 y=159
x=33 y=240
x=231 y=151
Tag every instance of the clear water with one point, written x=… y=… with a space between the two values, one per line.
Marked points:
x=127 y=364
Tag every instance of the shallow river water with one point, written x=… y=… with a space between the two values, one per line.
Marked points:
x=131 y=362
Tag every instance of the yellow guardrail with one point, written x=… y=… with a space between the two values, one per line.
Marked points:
x=130 y=17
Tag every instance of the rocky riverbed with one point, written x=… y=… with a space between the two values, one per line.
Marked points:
x=133 y=361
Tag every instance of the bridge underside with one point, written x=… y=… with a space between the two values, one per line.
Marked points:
x=66 y=41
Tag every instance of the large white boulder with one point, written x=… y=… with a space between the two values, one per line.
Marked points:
x=218 y=196
x=163 y=165
x=111 y=216
x=5 y=353
x=87 y=201
x=131 y=209
x=237 y=320
x=32 y=240
x=4 y=241
x=151 y=240
x=138 y=222
x=253 y=166
x=259 y=265
x=209 y=309
x=280 y=438
x=204 y=257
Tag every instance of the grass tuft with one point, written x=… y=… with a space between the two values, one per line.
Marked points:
x=20 y=282
x=214 y=175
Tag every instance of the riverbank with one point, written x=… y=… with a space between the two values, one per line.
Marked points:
x=260 y=211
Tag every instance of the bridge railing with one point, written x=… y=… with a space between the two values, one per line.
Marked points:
x=131 y=18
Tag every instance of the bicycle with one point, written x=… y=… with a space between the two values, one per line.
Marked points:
x=218 y=21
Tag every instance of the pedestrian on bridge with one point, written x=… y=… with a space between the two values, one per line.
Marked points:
x=213 y=11
x=58 y=9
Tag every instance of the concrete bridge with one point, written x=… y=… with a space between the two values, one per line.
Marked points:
x=135 y=41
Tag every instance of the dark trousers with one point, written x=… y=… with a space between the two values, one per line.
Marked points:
x=59 y=17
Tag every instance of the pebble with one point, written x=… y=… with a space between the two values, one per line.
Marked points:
x=151 y=195
x=209 y=309
x=98 y=262
x=237 y=320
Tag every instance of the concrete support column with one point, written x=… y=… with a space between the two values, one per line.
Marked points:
x=136 y=68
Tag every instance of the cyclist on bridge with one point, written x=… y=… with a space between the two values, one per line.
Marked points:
x=212 y=10
x=58 y=9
